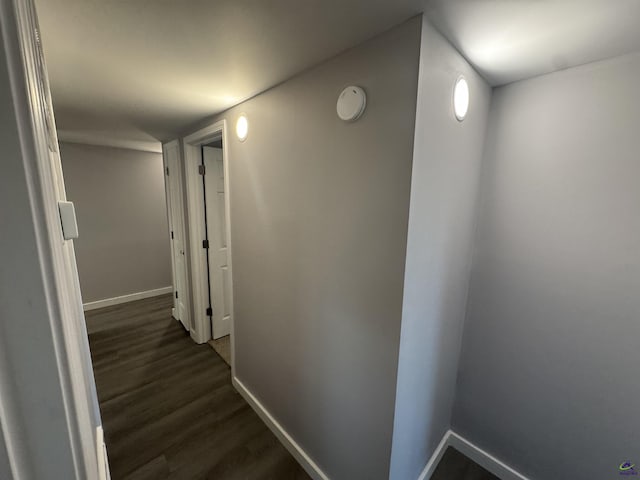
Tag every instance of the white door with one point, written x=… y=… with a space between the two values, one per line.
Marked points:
x=175 y=212
x=219 y=275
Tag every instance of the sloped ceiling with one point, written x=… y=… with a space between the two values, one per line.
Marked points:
x=143 y=70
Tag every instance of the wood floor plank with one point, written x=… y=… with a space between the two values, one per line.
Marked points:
x=169 y=410
x=153 y=470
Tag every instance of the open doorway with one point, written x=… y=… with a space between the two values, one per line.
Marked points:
x=217 y=251
x=208 y=209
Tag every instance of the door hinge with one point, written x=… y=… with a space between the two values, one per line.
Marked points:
x=209 y=312
x=205 y=243
x=202 y=170
x=167 y=170
x=171 y=234
x=176 y=294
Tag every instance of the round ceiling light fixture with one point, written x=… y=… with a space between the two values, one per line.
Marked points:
x=461 y=98
x=351 y=103
x=242 y=127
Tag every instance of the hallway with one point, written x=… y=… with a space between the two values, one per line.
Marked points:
x=168 y=407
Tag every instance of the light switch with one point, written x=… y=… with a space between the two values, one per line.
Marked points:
x=68 y=220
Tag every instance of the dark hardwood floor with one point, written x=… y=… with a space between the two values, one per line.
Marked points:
x=455 y=466
x=169 y=410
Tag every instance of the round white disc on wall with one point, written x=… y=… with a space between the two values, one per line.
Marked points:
x=351 y=103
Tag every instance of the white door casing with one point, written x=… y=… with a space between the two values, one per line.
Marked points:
x=192 y=148
x=57 y=349
x=175 y=215
x=219 y=279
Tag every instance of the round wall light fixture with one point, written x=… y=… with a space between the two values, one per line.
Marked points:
x=461 y=98
x=351 y=103
x=242 y=127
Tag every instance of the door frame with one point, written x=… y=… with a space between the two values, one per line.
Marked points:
x=173 y=228
x=201 y=324
x=62 y=337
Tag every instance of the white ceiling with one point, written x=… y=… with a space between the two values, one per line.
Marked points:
x=144 y=70
x=150 y=68
x=510 y=40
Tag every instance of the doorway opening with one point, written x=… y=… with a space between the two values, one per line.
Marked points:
x=214 y=202
x=207 y=176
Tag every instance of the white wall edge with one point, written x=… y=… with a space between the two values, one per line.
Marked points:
x=107 y=302
x=290 y=444
x=435 y=458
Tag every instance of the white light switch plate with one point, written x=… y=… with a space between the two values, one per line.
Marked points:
x=68 y=220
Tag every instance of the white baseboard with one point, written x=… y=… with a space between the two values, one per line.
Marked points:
x=475 y=453
x=107 y=302
x=449 y=439
x=483 y=458
x=435 y=458
x=290 y=444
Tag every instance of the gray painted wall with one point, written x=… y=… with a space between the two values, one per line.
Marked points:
x=120 y=203
x=446 y=175
x=549 y=368
x=319 y=212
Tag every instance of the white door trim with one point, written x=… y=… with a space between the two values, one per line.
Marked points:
x=201 y=332
x=65 y=318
